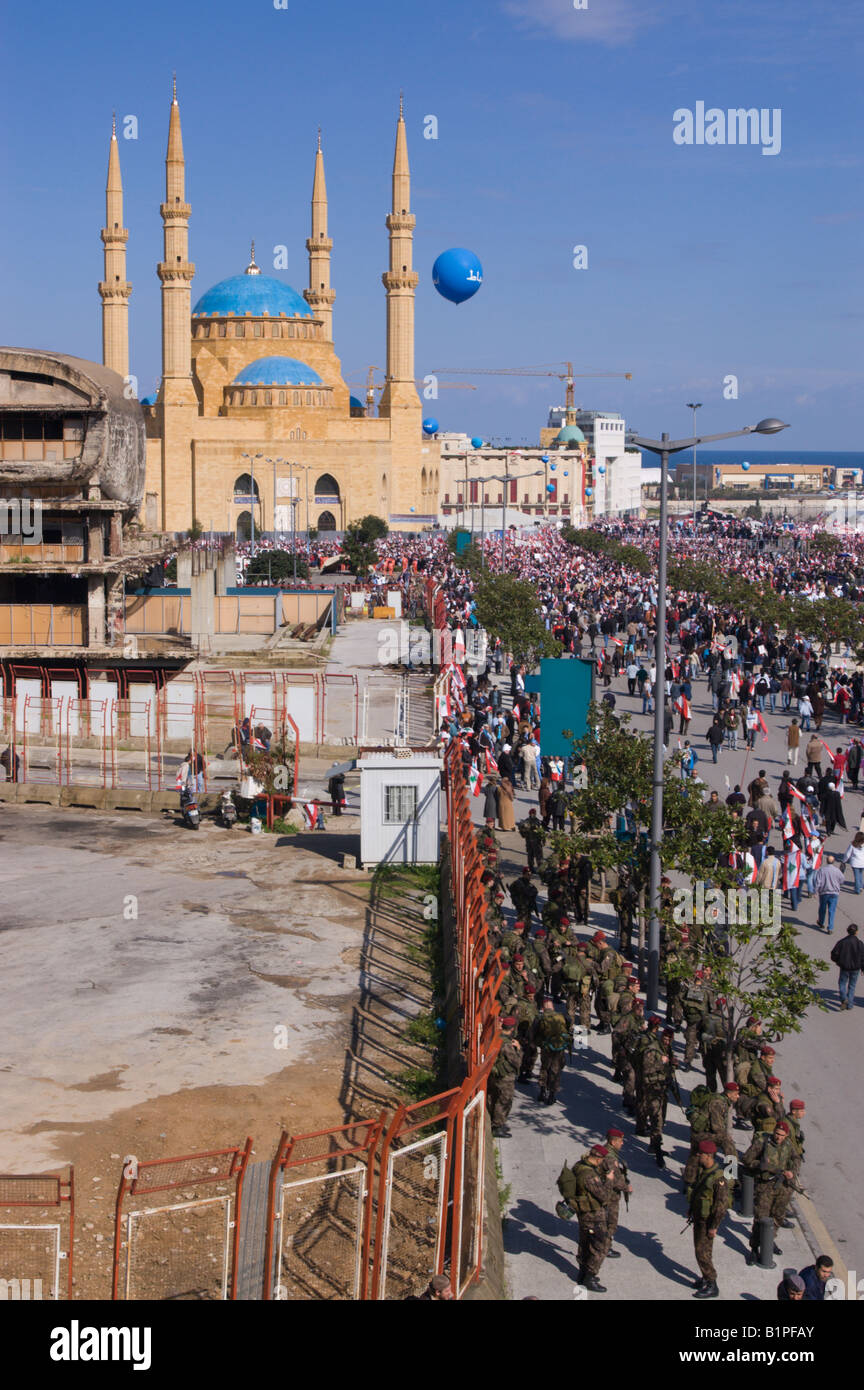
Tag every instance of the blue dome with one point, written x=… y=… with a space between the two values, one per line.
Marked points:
x=354 y=404
x=277 y=371
x=149 y=400
x=257 y=295
x=571 y=434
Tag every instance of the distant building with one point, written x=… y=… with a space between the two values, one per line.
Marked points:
x=769 y=477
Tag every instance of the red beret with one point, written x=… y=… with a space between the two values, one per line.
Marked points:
x=518 y=923
x=600 y=1150
x=530 y=989
x=707 y=1146
x=732 y=1086
x=599 y=936
x=767 y=1051
x=541 y=931
x=796 y=1105
x=614 y=1134
x=773 y=1080
x=508 y=1022
x=781 y=1124
x=518 y=957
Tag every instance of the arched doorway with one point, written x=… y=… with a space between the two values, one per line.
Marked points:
x=246 y=488
x=326 y=522
x=244 y=528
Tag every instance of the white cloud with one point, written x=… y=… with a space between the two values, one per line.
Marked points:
x=611 y=22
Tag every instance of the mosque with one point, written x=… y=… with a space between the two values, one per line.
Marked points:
x=252 y=420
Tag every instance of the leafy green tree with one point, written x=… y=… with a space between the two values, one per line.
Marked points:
x=757 y=967
x=360 y=549
x=196 y=530
x=275 y=565
x=374 y=528
x=507 y=608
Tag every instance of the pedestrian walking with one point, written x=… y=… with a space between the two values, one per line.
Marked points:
x=793 y=742
x=854 y=857
x=827 y=882
x=848 y=956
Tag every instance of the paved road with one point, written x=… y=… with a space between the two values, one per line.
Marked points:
x=819 y=1065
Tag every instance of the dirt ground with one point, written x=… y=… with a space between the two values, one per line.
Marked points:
x=167 y=992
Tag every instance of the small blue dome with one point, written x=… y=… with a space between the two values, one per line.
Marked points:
x=149 y=400
x=277 y=371
x=257 y=295
x=354 y=404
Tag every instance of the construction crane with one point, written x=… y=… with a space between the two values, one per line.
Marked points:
x=372 y=387
x=567 y=376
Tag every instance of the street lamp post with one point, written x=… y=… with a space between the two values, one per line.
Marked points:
x=664 y=447
x=251 y=459
x=694 y=406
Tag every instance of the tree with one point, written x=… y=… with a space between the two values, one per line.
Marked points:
x=196 y=530
x=275 y=565
x=374 y=528
x=757 y=965
x=507 y=608
x=359 y=540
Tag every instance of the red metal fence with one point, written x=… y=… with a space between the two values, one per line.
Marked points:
x=37 y=1233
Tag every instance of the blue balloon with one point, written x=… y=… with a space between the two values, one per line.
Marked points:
x=830 y=487
x=544 y=458
x=601 y=468
x=552 y=467
x=550 y=487
x=566 y=474
x=476 y=442
x=430 y=425
x=589 y=491
x=457 y=274
x=745 y=465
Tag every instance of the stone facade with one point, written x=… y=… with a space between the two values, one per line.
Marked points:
x=292 y=413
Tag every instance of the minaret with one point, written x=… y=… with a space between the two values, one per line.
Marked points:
x=319 y=295
x=115 y=289
x=400 y=282
x=176 y=273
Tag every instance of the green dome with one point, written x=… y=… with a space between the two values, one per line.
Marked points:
x=571 y=434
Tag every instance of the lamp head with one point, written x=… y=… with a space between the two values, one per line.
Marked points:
x=770 y=426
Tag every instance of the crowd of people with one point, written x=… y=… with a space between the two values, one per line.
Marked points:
x=561 y=982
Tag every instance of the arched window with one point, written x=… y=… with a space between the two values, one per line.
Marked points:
x=327 y=486
x=384 y=487
x=424 y=483
x=308 y=397
x=326 y=522
x=275 y=330
x=268 y=397
x=244 y=528
x=281 y=397
x=245 y=488
x=296 y=397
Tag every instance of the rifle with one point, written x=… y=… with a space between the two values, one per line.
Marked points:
x=673 y=1086
x=626 y=1173
x=570 y=1042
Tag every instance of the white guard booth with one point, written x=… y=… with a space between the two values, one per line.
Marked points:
x=400 y=808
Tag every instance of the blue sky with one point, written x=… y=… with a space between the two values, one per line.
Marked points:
x=555 y=130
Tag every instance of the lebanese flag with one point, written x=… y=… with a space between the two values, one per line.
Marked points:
x=807 y=825
x=616 y=642
x=839 y=788
x=311 y=813
x=788 y=827
x=827 y=750
x=682 y=704
x=735 y=683
x=793 y=791
x=791 y=869
x=761 y=722
x=475 y=779
x=817 y=858
x=459 y=645
x=491 y=765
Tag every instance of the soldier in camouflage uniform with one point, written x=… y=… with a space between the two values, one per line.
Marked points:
x=619 y=1183
x=625 y=1039
x=696 y=1002
x=758 y=1072
x=709 y=1121
x=674 y=950
x=576 y=981
x=502 y=1079
x=771 y=1159
x=797 y=1110
x=768 y=1108
x=544 y=960
x=625 y=900
x=523 y=895
x=651 y=1084
x=709 y=1203
x=551 y=1034
x=585 y=1190
x=532 y=832
x=712 y=1045
x=526 y=1014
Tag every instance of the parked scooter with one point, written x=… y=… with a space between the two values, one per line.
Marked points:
x=189 y=807
x=228 y=811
